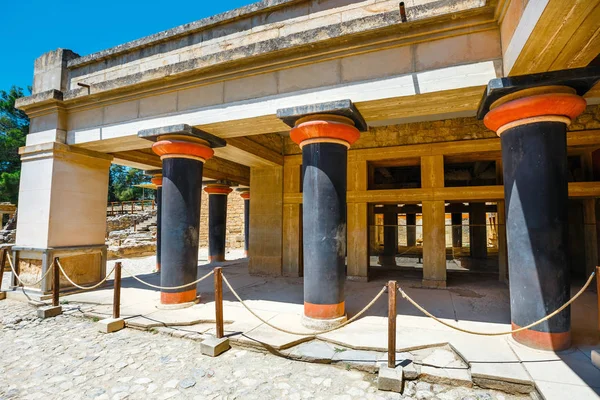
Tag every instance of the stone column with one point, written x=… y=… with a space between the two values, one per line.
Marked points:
x=456 y=220
x=217 y=220
x=411 y=230
x=183 y=151
x=390 y=236
x=157 y=181
x=478 y=230
x=324 y=132
x=245 y=194
x=531 y=121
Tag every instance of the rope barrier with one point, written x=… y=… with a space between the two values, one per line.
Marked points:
x=568 y=303
x=314 y=333
x=83 y=287
x=12 y=267
x=165 y=287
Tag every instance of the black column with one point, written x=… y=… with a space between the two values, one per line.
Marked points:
x=390 y=237
x=158 y=224
x=180 y=220
x=534 y=158
x=478 y=230
x=324 y=222
x=456 y=219
x=217 y=221
x=246 y=223
x=411 y=230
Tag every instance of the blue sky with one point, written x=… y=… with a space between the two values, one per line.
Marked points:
x=33 y=27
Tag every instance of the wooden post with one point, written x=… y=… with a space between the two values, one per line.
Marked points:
x=112 y=209
x=55 y=283
x=117 y=291
x=219 y=301
x=143 y=205
x=134 y=224
x=392 y=324
x=122 y=208
x=133 y=207
x=598 y=293
x=2 y=263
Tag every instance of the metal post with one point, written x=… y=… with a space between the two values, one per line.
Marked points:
x=392 y=324
x=219 y=302
x=55 y=283
x=117 y=291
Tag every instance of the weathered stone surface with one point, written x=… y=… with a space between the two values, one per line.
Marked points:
x=110 y=325
x=213 y=347
x=390 y=379
x=49 y=312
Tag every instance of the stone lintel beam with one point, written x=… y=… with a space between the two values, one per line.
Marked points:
x=183 y=132
x=343 y=108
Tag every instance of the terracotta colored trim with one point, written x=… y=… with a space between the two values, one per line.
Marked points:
x=181 y=149
x=202 y=160
x=245 y=195
x=532 y=120
x=217 y=258
x=542 y=340
x=533 y=91
x=157 y=181
x=324 y=311
x=324 y=140
x=178 y=298
x=324 y=129
x=218 y=190
x=561 y=104
x=158 y=266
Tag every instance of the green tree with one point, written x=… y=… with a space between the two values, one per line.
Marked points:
x=14 y=126
x=121 y=183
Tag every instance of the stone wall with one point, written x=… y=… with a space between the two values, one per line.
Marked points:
x=124 y=221
x=235 y=221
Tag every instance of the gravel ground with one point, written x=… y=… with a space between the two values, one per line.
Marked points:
x=67 y=358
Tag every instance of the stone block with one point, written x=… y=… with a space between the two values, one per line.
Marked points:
x=390 y=379
x=596 y=358
x=110 y=325
x=213 y=347
x=49 y=312
x=2 y=295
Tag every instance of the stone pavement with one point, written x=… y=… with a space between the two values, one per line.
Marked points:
x=427 y=350
x=67 y=358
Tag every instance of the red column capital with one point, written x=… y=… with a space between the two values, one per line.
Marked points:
x=324 y=128
x=218 y=189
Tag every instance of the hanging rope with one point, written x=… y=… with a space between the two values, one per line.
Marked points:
x=83 y=287
x=166 y=287
x=568 y=303
x=12 y=267
x=312 y=334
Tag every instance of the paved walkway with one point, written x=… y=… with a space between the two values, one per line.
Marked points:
x=67 y=358
x=427 y=349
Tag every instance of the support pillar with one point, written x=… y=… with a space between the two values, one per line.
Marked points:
x=245 y=194
x=390 y=237
x=411 y=230
x=183 y=151
x=456 y=221
x=502 y=252
x=217 y=220
x=157 y=182
x=531 y=121
x=478 y=230
x=324 y=132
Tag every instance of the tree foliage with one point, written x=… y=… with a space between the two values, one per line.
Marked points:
x=14 y=126
x=121 y=184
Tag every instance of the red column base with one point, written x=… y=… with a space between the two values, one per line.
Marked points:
x=542 y=340
x=217 y=258
x=178 y=298
x=324 y=311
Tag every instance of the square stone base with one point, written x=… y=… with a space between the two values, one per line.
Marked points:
x=2 y=295
x=110 y=325
x=213 y=347
x=49 y=312
x=390 y=379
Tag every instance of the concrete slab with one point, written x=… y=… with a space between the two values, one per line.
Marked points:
x=213 y=347
x=506 y=376
x=390 y=379
x=360 y=359
x=314 y=351
x=110 y=325
x=560 y=391
x=49 y=311
x=265 y=335
x=447 y=376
